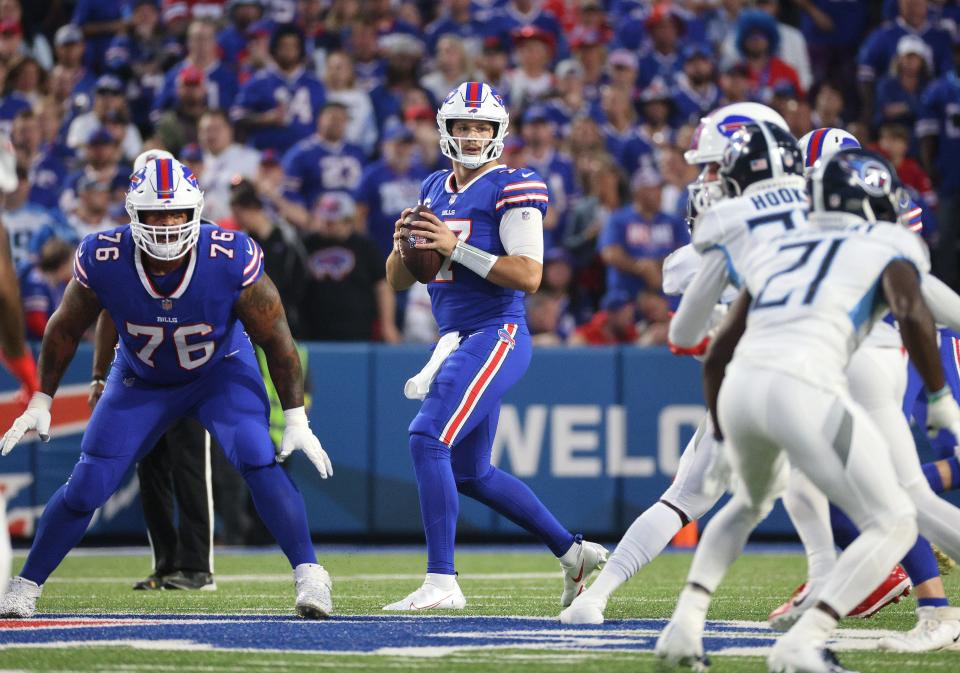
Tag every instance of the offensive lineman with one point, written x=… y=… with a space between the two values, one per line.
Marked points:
x=811 y=297
x=183 y=294
x=485 y=347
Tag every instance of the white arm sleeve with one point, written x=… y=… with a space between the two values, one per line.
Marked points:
x=692 y=320
x=521 y=232
x=944 y=303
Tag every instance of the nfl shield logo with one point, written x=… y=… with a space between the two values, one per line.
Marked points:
x=166 y=304
x=453 y=199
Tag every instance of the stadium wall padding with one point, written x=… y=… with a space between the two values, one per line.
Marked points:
x=596 y=432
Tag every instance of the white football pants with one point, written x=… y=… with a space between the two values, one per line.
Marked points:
x=769 y=417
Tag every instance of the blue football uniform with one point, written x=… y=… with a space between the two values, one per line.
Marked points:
x=451 y=438
x=940 y=116
x=915 y=401
x=302 y=94
x=170 y=336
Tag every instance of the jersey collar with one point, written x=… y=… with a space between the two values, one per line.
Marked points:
x=148 y=284
x=448 y=183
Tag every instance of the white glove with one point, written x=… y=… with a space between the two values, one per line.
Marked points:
x=36 y=417
x=943 y=413
x=718 y=473
x=297 y=435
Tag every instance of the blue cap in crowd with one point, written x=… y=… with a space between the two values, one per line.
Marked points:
x=536 y=113
x=109 y=84
x=191 y=152
x=615 y=299
x=100 y=136
x=697 y=50
x=398 y=132
x=88 y=183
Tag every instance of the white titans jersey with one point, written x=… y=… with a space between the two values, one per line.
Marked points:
x=734 y=226
x=679 y=269
x=816 y=294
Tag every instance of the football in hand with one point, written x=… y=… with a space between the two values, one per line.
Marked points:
x=423 y=264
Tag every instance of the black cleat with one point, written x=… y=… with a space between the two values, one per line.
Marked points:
x=151 y=583
x=190 y=580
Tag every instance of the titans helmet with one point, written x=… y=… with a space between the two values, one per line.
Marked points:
x=858 y=182
x=758 y=151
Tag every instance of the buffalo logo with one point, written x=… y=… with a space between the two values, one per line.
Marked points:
x=733 y=123
x=505 y=337
x=190 y=177
x=335 y=263
x=137 y=178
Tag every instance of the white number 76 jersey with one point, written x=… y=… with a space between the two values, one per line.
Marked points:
x=816 y=294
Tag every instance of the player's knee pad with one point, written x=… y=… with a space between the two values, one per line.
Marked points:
x=89 y=486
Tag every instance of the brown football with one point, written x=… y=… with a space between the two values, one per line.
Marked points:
x=423 y=264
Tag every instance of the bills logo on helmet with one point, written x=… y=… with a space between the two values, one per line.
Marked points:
x=137 y=178
x=190 y=177
x=730 y=125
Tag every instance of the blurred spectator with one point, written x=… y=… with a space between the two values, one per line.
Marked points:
x=880 y=47
x=540 y=153
x=422 y=121
x=388 y=186
x=33 y=43
x=346 y=297
x=569 y=97
x=586 y=140
x=419 y=325
x=109 y=98
x=92 y=212
x=78 y=81
x=493 y=66
x=223 y=159
x=622 y=69
x=279 y=106
x=362 y=44
x=202 y=54
x=828 y=107
x=321 y=37
x=101 y=163
x=614 y=323
x=532 y=80
x=794 y=110
x=654 y=311
x=543 y=318
x=661 y=59
x=758 y=42
x=323 y=162
x=938 y=128
x=735 y=84
x=140 y=55
x=404 y=54
x=677 y=174
x=49 y=167
x=621 y=132
x=516 y=15
x=591 y=53
x=178 y=126
x=24 y=221
x=284 y=258
x=894 y=143
x=657 y=107
x=27 y=80
x=696 y=92
x=451 y=67
x=26 y=136
x=898 y=93
x=559 y=281
x=793 y=47
x=232 y=40
x=456 y=19
x=342 y=88
x=99 y=20
x=256 y=55
x=606 y=188
x=42 y=284
x=638 y=237
x=833 y=31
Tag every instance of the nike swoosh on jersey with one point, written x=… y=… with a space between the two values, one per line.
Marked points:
x=526 y=174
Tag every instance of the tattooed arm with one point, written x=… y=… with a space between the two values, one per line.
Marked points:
x=261 y=312
x=79 y=308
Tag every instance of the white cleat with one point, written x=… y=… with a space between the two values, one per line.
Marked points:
x=681 y=646
x=313 y=586
x=431 y=596
x=788 y=656
x=20 y=601
x=936 y=629
x=585 y=609
x=591 y=557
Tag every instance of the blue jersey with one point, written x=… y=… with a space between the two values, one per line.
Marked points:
x=385 y=194
x=880 y=48
x=461 y=299
x=23 y=226
x=313 y=167
x=221 y=83
x=940 y=116
x=176 y=327
x=641 y=239
x=47 y=173
x=850 y=14
x=10 y=107
x=302 y=95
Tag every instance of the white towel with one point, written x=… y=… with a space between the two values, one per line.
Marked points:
x=417 y=387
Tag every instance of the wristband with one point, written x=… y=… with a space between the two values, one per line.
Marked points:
x=296 y=416
x=933 y=397
x=98 y=381
x=477 y=260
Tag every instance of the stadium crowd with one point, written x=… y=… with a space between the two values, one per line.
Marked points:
x=311 y=123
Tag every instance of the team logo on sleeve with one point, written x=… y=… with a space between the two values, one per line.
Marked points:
x=505 y=337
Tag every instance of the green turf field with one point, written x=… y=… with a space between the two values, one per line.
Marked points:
x=496 y=584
